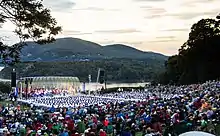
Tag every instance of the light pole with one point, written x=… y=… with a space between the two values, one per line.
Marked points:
x=26 y=89
x=90 y=79
x=13 y=85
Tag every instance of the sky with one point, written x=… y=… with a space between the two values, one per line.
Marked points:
x=149 y=25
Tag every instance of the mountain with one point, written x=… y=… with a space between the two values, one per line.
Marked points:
x=71 y=49
x=77 y=57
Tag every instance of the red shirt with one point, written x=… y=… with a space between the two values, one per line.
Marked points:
x=197 y=104
x=95 y=120
x=70 y=125
x=102 y=133
x=157 y=127
x=105 y=123
x=49 y=126
x=38 y=126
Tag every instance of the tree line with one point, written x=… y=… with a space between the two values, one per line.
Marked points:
x=116 y=70
x=5 y=87
x=198 y=58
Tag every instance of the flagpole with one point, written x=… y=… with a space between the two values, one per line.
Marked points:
x=21 y=89
x=89 y=83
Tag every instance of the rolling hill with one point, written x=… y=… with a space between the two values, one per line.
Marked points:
x=76 y=57
x=72 y=49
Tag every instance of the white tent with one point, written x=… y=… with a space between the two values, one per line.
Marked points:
x=196 y=133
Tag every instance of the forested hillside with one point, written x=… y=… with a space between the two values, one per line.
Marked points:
x=73 y=49
x=117 y=70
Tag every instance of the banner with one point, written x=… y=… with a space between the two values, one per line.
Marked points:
x=15 y=92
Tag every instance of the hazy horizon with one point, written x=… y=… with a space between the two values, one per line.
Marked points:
x=150 y=25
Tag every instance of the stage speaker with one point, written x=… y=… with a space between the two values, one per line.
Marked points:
x=101 y=76
x=13 y=78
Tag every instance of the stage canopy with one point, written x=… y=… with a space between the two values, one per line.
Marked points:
x=52 y=82
x=196 y=133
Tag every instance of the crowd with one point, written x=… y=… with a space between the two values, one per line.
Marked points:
x=70 y=101
x=156 y=111
x=39 y=92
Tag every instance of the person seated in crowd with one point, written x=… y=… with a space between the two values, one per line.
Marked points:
x=158 y=109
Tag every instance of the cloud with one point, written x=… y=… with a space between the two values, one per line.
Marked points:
x=72 y=32
x=96 y=9
x=162 y=41
x=8 y=37
x=176 y=30
x=131 y=43
x=135 y=43
x=91 y=8
x=59 y=5
x=154 y=25
x=153 y=12
x=165 y=37
x=121 y=31
x=193 y=2
x=149 y=0
x=82 y=34
x=152 y=16
x=106 y=42
x=191 y=15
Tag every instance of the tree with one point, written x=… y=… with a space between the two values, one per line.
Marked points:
x=197 y=60
x=218 y=16
x=32 y=21
x=116 y=70
x=5 y=87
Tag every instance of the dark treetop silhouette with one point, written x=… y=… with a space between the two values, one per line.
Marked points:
x=198 y=58
x=32 y=21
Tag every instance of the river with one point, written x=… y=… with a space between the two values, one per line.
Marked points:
x=95 y=86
